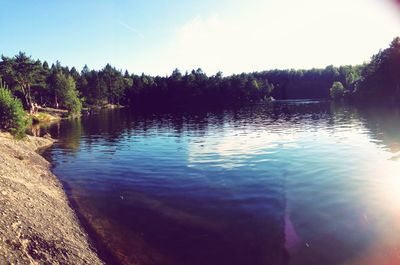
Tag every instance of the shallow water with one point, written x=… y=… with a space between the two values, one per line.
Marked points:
x=295 y=182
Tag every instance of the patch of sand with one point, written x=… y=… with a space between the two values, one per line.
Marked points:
x=37 y=225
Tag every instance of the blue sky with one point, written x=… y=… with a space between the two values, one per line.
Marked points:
x=156 y=36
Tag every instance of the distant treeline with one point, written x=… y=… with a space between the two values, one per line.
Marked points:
x=34 y=81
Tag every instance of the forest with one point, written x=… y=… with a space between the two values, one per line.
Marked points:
x=37 y=83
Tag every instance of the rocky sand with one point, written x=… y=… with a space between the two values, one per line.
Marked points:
x=37 y=225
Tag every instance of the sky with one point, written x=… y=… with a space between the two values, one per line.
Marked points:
x=232 y=36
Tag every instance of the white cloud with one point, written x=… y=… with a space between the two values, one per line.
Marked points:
x=282 y=34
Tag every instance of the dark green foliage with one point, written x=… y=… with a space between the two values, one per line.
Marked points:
x=380 y=79
x=33 y=81
x=197 y=88
x=112 y=86
x=12 y=115
x=337 y=90
x=24 y=75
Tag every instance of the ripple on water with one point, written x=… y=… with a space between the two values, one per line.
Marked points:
x=279 y=183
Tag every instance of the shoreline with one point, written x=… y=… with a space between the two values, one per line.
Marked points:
x=96 y=239
x=37 y=224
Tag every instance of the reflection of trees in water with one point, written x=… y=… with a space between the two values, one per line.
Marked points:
x=344 y=114
x=71 y=141
x=112 y=126
x=40 y=129
x=69 y=133
x=109 y=128
x=384 y=125
x=178 y=123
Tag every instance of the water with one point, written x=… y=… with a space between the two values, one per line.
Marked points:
x=296 y=182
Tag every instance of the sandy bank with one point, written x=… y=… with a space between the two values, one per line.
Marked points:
x=37 y=226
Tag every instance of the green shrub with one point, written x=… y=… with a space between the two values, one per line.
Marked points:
x=337 y=90
x=12 y=115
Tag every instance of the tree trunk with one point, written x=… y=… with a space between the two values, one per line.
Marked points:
x=30 y=99
x=26 y=96
x=56 y=101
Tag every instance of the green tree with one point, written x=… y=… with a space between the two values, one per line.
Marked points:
x=114 y=82
x=24 y=73
x=67 y=94
x=337 y=90
x=380 y=79
x=12 y=115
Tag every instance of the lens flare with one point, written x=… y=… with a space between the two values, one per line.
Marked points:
x=396 y=2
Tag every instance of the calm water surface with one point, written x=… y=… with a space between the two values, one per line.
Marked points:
x=296 y=182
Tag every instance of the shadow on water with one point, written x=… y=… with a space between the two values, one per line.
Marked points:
x=163 y=188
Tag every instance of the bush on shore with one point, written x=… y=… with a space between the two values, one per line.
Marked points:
x=12 y=115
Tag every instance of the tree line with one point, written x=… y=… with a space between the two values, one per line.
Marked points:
x=35 y=82
x=380 y=79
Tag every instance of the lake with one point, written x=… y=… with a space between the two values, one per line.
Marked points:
x=286 y=182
